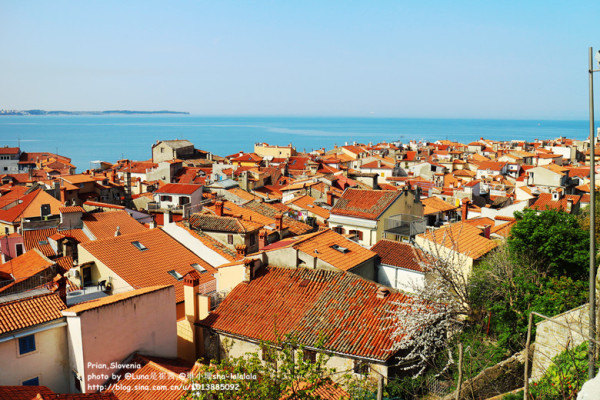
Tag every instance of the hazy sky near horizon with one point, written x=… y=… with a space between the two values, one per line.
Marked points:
x=438 y=59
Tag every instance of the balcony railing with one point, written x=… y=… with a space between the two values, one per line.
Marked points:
x=404 y=225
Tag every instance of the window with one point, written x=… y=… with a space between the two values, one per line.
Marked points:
x=32 y=382
x=26 y=344
x=361 y=367
x=175 y=274
x=309 y=356
x=199 y=268
x=19 y=249
x=339 y=229
x=340 y=248
x=229 y=239
x=166 y=198
x=252 y=240
x=139 y=246
x=357 y=234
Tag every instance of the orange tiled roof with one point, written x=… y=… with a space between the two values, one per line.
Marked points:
x=72 y=209
x=22 y=392
x=77 y=179
x=26 y=265
x=368 y=204
x=212 y=243
x=104 y=224
x=311 y=304
x=115 y=298
x=178 y=188
x=24 y=313
x=320 y=245
x=38 y=239
x=152 y=375
x=308 y=203
x=544 y=202
x=399 y=254
x=144 y=268
x=207 y=222
x=462 y=238
x=433 y=205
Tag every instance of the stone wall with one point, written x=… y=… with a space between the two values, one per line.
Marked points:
x=551 y=339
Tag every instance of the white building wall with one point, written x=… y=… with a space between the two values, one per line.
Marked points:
x=400 y=278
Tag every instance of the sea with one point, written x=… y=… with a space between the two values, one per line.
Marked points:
x=88 y=139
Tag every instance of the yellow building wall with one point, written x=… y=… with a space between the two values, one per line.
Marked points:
x=49 y=362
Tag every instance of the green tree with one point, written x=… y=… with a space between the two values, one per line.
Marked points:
x=280 y=373
x=554 y=239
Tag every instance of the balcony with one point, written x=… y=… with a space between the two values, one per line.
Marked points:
x=402 y=226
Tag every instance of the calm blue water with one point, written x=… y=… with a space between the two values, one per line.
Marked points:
x=108 y=138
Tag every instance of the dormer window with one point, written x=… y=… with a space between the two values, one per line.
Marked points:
x=139 y=246
x=175 y=274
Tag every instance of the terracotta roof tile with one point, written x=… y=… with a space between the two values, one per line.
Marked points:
x=320 y=245
x=340 y=307
x=26 y=265
x=308 y=203
x=104 y=224
x=24 y=313
x=399 y=254
x=178 y=188
x=208 y=222
x=462 y=238
x=368 y=204
x=151 y=375
x=38 y=239
x=433 y=205
x=72 y=209
x=22 y=392
x=144 y=268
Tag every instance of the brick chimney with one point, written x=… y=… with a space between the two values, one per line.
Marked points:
x=219 y=208
x=63 y=194
x=62 y=288
x=329 y=198
x=241 y=250
x=279 y=221
x=464 y=211
x=486 y=231
x=262 y=239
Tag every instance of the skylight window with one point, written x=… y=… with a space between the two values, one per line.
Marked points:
x=340 y=248
x=43 y=242
x=199 y=268
x=175 y=274
x=139 y=246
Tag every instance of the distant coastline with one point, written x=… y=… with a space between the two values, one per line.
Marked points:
x=107 y=112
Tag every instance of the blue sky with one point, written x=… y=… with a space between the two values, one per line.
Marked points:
x=438 y=59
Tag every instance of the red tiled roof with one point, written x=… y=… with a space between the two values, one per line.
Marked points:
x=208 y=222
x=104 y=224
x=103 y=205
x=30 y=311
x=320 y=245
x=399 y=254
x=151 y=375
x=26 y=265
x=308 y=203
x=178 y=188
x=339 y=307
x=368 y=204
x=462 y=238
x=9 y=150
x=211 y=243
x=72 y=209
x=545 y=202
x=433 y=205
x=22 y=392
x=144 y=268
x=38 y=239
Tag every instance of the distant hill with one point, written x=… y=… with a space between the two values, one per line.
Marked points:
x=107 y=112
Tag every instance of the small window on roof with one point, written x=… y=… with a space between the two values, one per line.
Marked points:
x=340 y=248
x=175 y=274
x=43 y=242
x=139 y=246
x=198 y=268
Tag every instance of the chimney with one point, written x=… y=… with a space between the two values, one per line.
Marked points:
x=118 y=231
x=191 y=286
x=219 y=208
x=262 y=239
x=569 y=205
x=63 y=194
x=166 y=217
x=62 y=288
x=248 y=274
x=464 y=209
x=241 y=250
x=279 y=222
x=329 y=198
x=486 y=231
x=382 y=292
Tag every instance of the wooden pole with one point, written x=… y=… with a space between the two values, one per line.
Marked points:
x=380 y=388
x=527 y=349
x=460 y=371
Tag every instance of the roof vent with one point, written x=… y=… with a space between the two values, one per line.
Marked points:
x=118 y=231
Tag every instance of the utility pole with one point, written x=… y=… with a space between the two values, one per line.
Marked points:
x=460 y=371
x=592 y=283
